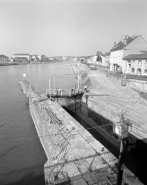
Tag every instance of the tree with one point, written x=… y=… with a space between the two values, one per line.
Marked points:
x=98 y=54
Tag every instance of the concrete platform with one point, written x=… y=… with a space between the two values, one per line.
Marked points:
x=79 y=152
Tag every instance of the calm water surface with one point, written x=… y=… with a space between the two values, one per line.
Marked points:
x=21 y=154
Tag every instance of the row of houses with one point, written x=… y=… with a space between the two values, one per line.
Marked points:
x=26 y=58
x=15 y=57
x=130 y=54
x=4 y=59
x=22 y=58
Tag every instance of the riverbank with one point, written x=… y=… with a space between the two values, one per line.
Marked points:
x=26 y=63
x=8 y=64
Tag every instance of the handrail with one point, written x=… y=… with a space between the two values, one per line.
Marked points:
x=59 y=92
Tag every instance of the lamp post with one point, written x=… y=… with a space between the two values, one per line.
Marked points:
x=24 y=76
x=36 y=86
x=107 y=68
x=125 y=70
x=78 y=76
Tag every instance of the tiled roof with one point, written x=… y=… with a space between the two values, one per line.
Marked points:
x=3 y=56
x=121 y=45
x=21 y=54
x=107 y=54
x=20 y=58
x=136 y=56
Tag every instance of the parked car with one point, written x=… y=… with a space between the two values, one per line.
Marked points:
x=119 y=72
x=145 y=75
x=93 y=67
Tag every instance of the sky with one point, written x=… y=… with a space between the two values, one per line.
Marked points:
x=68 y=27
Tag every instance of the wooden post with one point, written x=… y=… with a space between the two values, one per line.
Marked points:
x=75 y=105
x=80 y=105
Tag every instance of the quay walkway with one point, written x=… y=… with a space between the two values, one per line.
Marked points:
x=108 y=110
x=74 y=155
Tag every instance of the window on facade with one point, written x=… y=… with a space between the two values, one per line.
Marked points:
x=139 y=71
x=145 y=71
x=134 y=61
x=133 y=69
x=139 y=62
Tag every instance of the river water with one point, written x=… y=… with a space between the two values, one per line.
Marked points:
x=21 y=154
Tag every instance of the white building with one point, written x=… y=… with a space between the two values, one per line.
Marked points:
x=136 y=64
x=104 y=62
x=128 y=45
x=27 y=56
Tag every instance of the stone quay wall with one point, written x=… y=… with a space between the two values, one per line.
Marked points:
x=82 y=70
x=138 y=85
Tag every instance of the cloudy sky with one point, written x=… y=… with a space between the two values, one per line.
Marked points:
x=68 y=27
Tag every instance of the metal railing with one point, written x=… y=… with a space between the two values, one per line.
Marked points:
x=59 y=92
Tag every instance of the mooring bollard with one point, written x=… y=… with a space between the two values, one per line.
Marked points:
x=102 y=149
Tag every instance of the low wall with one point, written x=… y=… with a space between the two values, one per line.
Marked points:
x=138 y=85
x=106 y=115
x=85 y=80
x=94 y=113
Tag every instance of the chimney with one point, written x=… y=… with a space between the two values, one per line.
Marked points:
x=114 y=44
x=127 y=36
x=125 y=41
x=133 y=36
x=122 y=39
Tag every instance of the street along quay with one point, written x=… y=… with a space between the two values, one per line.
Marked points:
x=74 y=156
x=105 y=104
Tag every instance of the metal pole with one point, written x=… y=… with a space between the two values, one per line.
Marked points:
x=121 y=160
x=78 y=76
x=125 y=70
x=57 y=92
x=24 y=77
x=107 y=69
x=123 y=145
x=86 y=99
x=49 y=89
x=54 y=82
